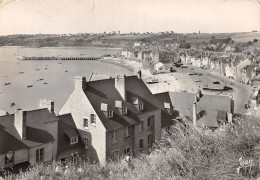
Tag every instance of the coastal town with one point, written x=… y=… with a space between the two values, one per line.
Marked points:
x=106 y=118
x=129 y=90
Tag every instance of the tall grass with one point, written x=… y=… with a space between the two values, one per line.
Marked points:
x=187 y=153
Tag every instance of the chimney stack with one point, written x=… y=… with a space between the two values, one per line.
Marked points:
x=230 y=118
x=195 y=114
x=44 y=103
x=80 y=83
x=20 y=122
x=199 y=94
x=140 y=74
x=121 y=86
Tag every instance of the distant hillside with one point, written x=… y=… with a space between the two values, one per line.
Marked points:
x=127 y=40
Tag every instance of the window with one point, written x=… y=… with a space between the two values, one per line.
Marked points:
x=149 y=140
x=74 y=140
x=149 y=122
x=127 y=133
x=9 y=158
x=141 y=126
x=115 y=155
x=127 y=151
x=141 y=106
x=74 y=158
x=39 y=155
x=109 y=114
x=85 y=140
x=141 y=143
x=114 y=137
x=124 y=110
x=168 y=129
x=93 y=118
x=85 y=123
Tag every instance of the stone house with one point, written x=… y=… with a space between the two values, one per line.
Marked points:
x=240 y=66
x=248 y=73
x=29 y=136
x=115 y=116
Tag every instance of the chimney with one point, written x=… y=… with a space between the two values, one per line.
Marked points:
x=195 y=114
x=80 y=82
x=254 y=72
x=139 y=74
x=120 y=86
x=20 y=122
x=44 y=103
x=230 y=118
x=199 y=95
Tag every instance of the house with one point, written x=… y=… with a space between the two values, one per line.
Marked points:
x=205 y=110
x=70 y=144
x=29 y=136
x=248 y=73
x=239 y=68
x=115 y=116
x=160 y=67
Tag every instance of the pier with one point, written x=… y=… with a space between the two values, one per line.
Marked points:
x=56 y=58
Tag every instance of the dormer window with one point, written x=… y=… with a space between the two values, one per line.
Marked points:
x=106 y=111
x=124 y=110
x=140 y=106
x=74 y=140
x=121 y=108
x=109 y=114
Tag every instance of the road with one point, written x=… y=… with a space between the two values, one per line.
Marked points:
x=241 y=92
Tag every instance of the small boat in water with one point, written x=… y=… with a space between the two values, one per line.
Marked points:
x=7 y=83
x=13 y=104
x=30 y=86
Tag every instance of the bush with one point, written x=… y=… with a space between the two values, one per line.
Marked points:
x=185 y=45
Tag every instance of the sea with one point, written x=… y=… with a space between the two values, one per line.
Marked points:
x=24 y=83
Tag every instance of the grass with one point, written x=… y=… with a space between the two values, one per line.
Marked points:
x=187 y=153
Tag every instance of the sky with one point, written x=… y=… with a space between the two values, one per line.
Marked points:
x=95 y=16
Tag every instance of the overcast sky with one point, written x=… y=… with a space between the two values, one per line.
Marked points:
x=77 y=16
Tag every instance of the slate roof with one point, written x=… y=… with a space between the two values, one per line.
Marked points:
x=36 y=130
x=67 y=129
x=208 y=106
x=104 y=91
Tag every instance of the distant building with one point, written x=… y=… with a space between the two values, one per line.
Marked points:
x=160 y=67
x=116 y=116
x=248 y=73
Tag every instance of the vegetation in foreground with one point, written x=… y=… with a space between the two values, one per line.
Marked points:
x=185 y=154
